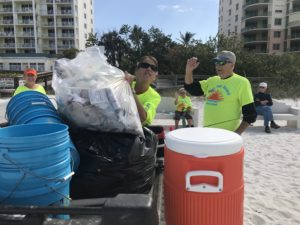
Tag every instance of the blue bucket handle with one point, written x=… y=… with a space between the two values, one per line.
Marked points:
x=26 y=171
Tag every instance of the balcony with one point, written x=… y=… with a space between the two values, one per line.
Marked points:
x=25 y=34
x=256 y=15
x=25 y=22
x=255 y=40
x=63 y=1
x=64 y=12
x=5 y=10
x=26 y=45
x=7 y=45
x=255 y=28
x=7 y=34
x=256 y=3
x=24 y=10
x=6 y=22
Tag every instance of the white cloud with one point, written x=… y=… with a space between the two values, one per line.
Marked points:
x=176 y=8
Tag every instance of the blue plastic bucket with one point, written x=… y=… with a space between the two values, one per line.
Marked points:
x=35 y=164
x=31 y=107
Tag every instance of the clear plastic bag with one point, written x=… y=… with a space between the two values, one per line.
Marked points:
x=93 y=94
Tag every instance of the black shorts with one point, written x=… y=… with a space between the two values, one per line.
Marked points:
x=178 y=115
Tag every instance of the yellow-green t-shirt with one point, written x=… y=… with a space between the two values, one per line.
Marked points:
x=183 y=103
x=22 y=88
x=224 y=99
x=150 y=101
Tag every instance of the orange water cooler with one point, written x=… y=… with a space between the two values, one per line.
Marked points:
x=203 y=178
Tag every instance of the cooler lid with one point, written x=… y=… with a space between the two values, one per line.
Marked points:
x=203 y=142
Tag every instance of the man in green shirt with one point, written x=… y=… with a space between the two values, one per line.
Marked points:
x=227 y=95
x=146 y=98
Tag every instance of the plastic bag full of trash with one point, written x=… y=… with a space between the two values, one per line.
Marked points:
x=93 y=94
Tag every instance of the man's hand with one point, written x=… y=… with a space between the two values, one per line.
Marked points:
x=264 y=102
x=191 y=64
x=129 y=78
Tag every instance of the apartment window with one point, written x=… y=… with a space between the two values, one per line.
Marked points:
x=1 y=66
x=85 y=36
x=7 y=8
x=8 y=30
x=230 y=2
x=10 y=51
x=84 y=15
x=32 y=65
x=237 y=6
x=15 y=66
x=50 y=22
x=84 y=5
x=277 y=21
x=26 y=8
x=41 y=67
x=276 y=46
x=235 y=29
x=229 y=12
x=278 y=11
x=277 y=34
x=85 y=26
x=67 y=21
x=8 y=19
x=236 y=18
x=228 y=32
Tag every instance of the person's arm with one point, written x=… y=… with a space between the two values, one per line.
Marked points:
x=249 y=116
x=191 y=64
x=194 y=88
x=270 y=101
x=142 y=112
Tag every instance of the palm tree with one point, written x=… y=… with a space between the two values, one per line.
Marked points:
x=186 y=39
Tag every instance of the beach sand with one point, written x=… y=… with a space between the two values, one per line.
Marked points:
x=271 y=173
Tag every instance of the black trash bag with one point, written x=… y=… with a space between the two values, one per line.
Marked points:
x=113 y=163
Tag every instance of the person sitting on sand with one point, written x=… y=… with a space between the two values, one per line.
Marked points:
x=263 y=104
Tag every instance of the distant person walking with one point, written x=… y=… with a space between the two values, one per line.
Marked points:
x=30 y=76
x=227 y=95
x=263 y=103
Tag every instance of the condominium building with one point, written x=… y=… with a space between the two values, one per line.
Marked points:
x=34 y=32
x=263 y=26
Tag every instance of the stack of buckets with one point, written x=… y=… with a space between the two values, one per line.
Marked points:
x=203 y=178
x=35 y=153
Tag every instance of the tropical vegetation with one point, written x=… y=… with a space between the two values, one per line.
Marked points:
x=125 y=46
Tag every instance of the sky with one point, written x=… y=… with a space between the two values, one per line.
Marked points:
x=170 y=16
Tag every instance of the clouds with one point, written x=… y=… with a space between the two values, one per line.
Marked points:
x=174 y=8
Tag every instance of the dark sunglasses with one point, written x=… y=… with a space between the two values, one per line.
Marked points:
x=221 y=63
x=147 y=65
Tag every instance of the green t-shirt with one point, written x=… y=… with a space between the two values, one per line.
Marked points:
x=150 y=101
x=183 y=103
x=224 y=99
x=22 y=88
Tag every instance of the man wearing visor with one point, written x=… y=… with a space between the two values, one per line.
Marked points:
x=227 y=95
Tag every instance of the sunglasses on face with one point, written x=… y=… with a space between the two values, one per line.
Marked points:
x=147 y=65
x=221 y=63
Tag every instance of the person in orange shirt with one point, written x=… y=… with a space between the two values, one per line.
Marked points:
x=183 y=108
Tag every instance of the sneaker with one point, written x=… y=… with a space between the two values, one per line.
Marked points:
x=274 y=125
x=267 y=129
